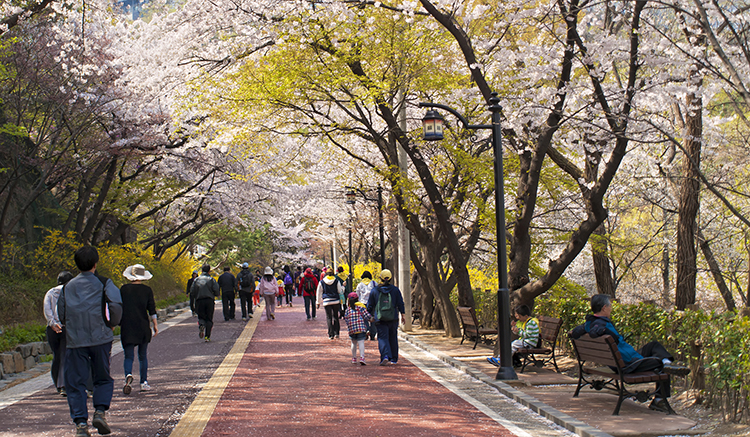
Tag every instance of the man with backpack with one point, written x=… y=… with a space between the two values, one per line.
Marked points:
x=89 y=337
x=385 y=304
x=246 y=283
x=228 y=284
x=308 y=286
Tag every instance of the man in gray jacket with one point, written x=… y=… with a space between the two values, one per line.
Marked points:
x=89 y=340
x=204 y=289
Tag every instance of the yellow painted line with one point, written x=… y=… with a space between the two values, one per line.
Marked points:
x=196 y=417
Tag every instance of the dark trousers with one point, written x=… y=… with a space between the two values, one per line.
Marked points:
x=309 y=302
x=653 y=353
x=192 y=303
x=57 y=344
x=289 y=293
x=246 y=301
x=332 y=319
x=227 y=304
x=205 y=309
x=388 y=340
x=79 y=364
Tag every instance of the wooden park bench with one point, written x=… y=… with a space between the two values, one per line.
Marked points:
x=603 y=352
x=544 y=353
x=472 y=328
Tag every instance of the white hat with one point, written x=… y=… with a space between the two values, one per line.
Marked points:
x=268 y=271
x=137 y=273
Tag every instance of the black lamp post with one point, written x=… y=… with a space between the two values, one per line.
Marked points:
x=433 y=130
x=351 y=199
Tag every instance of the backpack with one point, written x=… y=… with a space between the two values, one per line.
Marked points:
x=385 y=310
x=245 y=279
x=112 y=314
x=288 y=279
x=308 y=285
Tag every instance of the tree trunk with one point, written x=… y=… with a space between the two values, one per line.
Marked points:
x=689 y=195
x=716 y=272
x=605 y=284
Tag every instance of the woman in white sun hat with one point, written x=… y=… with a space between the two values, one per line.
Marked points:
x=269 y=288
x=138 y=312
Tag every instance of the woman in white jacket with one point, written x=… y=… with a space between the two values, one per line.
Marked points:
x=269 y=288
x=363 y=293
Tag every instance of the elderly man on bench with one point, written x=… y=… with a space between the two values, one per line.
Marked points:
x=651 y=357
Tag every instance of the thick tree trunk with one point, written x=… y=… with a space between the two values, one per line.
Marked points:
x=605 y=284
x=689 y=194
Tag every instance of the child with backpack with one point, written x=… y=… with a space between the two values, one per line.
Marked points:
x=288 y=288
x=280 y=296
x=355 y=317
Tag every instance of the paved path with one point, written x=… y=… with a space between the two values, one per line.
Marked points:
x=281 y=377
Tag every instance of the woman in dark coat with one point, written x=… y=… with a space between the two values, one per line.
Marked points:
x=138 y=312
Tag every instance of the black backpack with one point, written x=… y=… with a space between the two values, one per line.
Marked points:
x=308 y=285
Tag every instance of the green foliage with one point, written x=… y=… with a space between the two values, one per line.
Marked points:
x=25 y=333
x=566 y=301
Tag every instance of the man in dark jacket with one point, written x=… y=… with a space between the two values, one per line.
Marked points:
x=246 y=282
x=228 y=284
x=308 y=286
x=89 y=340
x=385 y=304
x=652 y=356
x=204 y=290
x=187 y=291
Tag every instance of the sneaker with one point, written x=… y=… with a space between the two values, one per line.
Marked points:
x=385 y=361
x=250 y=316
x=273 y=317
x=362 y=361
x=128 y=380
x=244 y=319
x=676 y=369
x=337 y=336
x=201 y=331
x=354 y=361
x=145 y=386
x=493 y=361
x=62 y=392
x=100 y=423
x=393 y=363
x=207 y=339
x=308 y=319
x=82 y=430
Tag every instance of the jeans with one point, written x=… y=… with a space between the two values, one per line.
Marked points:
x=332 y=319
x=57 y=344
x=246 y=303
x=309 y=302
x=79 y=364
x=388 y=340
x=128 y=349
x=289 y=293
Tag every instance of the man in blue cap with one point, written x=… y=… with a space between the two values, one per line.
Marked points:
x=246 y=283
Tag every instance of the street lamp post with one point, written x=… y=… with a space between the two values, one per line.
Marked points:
x=351 y=199
x=433 y=130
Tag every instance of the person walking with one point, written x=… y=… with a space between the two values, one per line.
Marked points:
x=288 y=286
x=88 y=339
x=269 y=288
x=356 y=317
x=187 y=291
x=363 y=291
x=205 y=289
x=330 y=290
x=138 y=319
x=246 y=283
x=385 y=304
x=280 y=293
x=56 y=332
x=256 y=293
x=308 y=286
x=228 y=284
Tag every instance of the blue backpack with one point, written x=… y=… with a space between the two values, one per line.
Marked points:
x=288 y=279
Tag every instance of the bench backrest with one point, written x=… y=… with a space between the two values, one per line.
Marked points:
x=601 y=350
x=468 y=318
x=549 y=328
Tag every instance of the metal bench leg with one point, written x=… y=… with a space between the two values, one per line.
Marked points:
x=621 y=387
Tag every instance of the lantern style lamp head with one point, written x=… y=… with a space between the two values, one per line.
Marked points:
x=350 y=196
x=432 y=126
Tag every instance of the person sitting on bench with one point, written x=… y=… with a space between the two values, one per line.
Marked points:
x=527 y=328
x=651 y=357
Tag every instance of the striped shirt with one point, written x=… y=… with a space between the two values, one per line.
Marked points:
x=528 y=331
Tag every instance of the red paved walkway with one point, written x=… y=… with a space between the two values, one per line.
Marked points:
x=292 y=380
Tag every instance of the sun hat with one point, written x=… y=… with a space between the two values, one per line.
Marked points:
x=137 y=273
x=385 y=275
x=268 y=271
